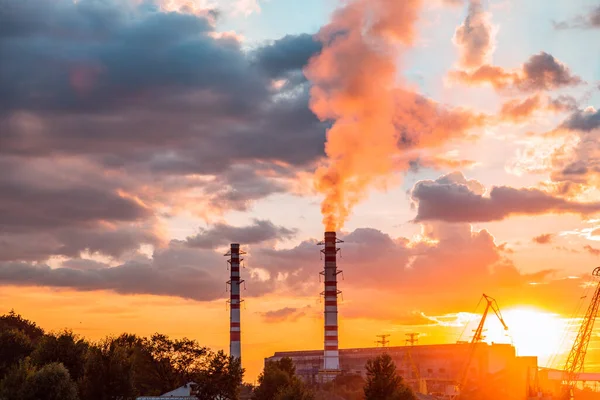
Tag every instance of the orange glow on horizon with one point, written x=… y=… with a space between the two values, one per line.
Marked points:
x=532 y=331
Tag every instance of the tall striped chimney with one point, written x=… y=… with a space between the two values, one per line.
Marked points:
x=235 y=330
x=331 y=358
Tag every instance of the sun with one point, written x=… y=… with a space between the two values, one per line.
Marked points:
x=533 y=333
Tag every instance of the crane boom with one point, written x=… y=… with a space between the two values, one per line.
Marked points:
x=478 y=336
x=576 y=358
x=493 y=305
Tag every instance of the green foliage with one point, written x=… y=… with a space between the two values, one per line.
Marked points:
x=11 y=387
x=25 y=382
x=108 y=372
x=177 y=361
x=145 y=378
x=279 y=381
x=294 y=391
x=13 y=320
x=222 y=378
x=383 y=383
x=64 y=366
x=64 y=347
x=344 y=386
x=51 y=382
x=287 y=365
x=246 y=390
x=14 y=347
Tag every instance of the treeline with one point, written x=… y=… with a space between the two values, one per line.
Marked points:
x=35 y=365
x=279 y=382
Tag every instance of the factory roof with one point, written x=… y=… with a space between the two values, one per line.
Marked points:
x=367 y=350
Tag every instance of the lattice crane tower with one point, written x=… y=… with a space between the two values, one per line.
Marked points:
x=576 y=358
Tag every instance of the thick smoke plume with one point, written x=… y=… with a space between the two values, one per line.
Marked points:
x=353 y=79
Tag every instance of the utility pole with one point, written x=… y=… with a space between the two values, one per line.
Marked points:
x=383 y=341
x=411 y=339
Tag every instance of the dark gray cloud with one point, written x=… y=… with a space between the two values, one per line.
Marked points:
x=144 y=81
x=541 y=72
x=222 y=234
x=590 y=20
x=544 y=72
x=65 y=207
x=456 y=202
x=104 y=54
x=111 y=241
x=132 y=278
x=563 y=103
x=455 y=262
x=111 y=110
x=575 y=168
x=144 y=90
x=104 y=239
x=177 y=271
x=287 y=55
x=38 y=195
x=583 y=120
x=84 y=264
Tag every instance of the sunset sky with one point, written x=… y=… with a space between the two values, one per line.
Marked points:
x=453 y=144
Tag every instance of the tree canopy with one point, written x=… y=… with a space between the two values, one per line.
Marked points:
x=383 y=383
x=115 y=368
x=279 y=381
x=51 y=382
x=64 y=347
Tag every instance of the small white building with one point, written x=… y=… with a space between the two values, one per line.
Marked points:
x=181 y=393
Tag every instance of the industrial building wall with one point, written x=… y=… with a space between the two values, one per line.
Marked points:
x=440 y=365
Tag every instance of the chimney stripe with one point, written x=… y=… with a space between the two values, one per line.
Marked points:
x=235 y=329
x=331 y=360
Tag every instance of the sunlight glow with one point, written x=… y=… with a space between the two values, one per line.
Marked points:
x=533 y=332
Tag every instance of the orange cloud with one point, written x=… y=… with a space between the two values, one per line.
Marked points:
x=541 y=72
x=475 y=37
x=544 y=238
x=497 y=77
x=519 y=110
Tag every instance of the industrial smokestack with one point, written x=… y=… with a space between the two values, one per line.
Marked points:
x=235 y=330
x=331 y=358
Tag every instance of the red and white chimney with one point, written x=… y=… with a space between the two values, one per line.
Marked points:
x=235 y=330
x=331 y=357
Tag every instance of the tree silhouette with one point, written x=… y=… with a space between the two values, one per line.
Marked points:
x=279 y=381
x=15 y=345
x=222 y=378
x=51 y=382
x=64 y=347
x=383 y=383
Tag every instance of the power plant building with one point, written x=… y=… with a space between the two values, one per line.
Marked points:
x=492 y=367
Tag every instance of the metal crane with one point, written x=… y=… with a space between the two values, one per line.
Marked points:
x=493 y=305
x=478 y=336
x=576 y=358
x=421 y=384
